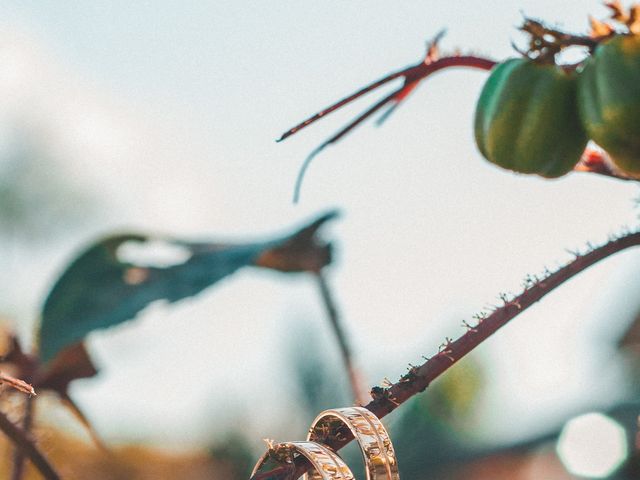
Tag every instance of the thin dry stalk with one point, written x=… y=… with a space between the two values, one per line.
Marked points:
x=18 y=454
x=355 y=381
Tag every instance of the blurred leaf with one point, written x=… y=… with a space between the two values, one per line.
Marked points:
x=117 y=277
x=302 y=252
x=13 y=353
x=70 y=364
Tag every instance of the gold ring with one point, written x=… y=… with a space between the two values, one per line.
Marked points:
x=327 y=464
x=379 y=457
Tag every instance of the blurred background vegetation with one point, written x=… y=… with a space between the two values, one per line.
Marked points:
x=162 y=118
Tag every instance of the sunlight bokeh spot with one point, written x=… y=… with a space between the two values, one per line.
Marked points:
x=592 y=445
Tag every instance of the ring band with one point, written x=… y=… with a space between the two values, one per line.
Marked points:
x=327 y=464
x=379 y=457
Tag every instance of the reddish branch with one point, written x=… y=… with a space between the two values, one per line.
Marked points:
x=543 y=38
x=387 y=399
x=412 y=76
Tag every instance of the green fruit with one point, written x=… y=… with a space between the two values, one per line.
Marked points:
x=609 y=99
x=527 y=118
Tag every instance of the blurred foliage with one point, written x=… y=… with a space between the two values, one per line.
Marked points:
x=627 y=415
x=451 y=398
x=102 y=288
x=318 y=379
x=234 y=450
x=429 y=431
x=105 y=285
x=37 y=197
x=76 y=459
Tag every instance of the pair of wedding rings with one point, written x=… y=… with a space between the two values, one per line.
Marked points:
x=377 y=451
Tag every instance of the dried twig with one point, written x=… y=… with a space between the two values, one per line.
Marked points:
x=24 y=387
x=16 y=383
x=24 y=442
x=543 y=36
x=19 y=454
x=418 y=378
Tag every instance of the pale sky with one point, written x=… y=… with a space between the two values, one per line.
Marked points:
x=166 y=113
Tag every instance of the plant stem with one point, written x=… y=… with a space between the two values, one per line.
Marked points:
x=388 y=399
x=23 y=441
x=411 y=74
x=359 y=392
x=412 y=77
x=18 y=455
x=82 y=418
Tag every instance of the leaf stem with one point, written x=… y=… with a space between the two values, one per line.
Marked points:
x=359 y=392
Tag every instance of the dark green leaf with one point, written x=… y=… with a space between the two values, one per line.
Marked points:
x=117 y=277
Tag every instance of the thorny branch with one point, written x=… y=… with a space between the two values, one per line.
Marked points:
x=386 y=399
